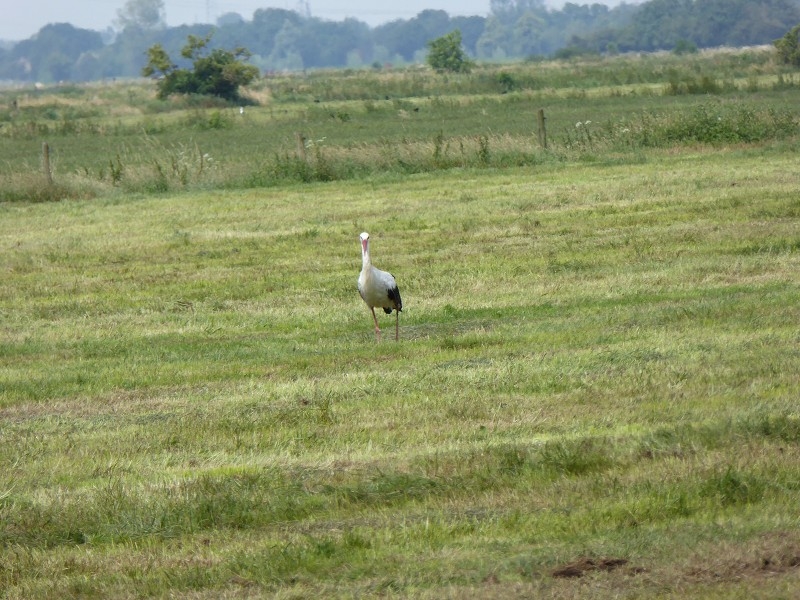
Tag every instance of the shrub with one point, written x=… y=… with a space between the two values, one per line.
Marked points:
x=684 y=47
x=217 y=73
x=446 y=54
x=789 y=47
x=506 y=82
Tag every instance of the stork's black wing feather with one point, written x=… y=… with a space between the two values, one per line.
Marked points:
x=394 y=296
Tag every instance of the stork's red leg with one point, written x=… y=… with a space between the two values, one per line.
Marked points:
x=377 y=329
x=397 y=326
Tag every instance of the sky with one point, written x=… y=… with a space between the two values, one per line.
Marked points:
x=20 y=19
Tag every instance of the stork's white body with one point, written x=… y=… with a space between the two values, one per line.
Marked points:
x=378 y=289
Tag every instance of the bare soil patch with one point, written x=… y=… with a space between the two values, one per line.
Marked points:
x=585 y=565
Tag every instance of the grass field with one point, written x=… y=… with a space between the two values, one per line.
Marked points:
x=595 y=393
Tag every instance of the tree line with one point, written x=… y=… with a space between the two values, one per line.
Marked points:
x=279 y=39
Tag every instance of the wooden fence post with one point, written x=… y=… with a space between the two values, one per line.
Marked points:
x=542 y=132
x=46 y=163
x=301 y=144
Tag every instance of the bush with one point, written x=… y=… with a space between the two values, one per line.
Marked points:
x=446 y=54
x=789 y=47
x=219 y=73
x=684 y=47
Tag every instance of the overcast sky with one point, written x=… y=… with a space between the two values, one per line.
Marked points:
x=20 y=19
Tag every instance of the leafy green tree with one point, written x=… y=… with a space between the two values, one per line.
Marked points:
x=446 y=54
x=395 y=37
x=406 y=38
x=286 y=49
x=493 y=42
x=527 y=35
x=56 y=67
x=661 y=24
x=508 y=11
x=430 y=24
x=230 y=19
x=266 y=24
x=789 y=47
x=51 y=53
x=145 y=14
x=471 y=29
x=215 y=73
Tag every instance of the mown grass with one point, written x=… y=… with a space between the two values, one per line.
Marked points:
x=597 y=374
x=599 y=359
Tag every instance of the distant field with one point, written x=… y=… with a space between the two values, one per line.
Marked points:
x=595 y=393
x=115 y=137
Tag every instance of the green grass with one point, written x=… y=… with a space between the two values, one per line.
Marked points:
x=108 y=139
x=596 y=360
x=598 y=367
x=441 y=134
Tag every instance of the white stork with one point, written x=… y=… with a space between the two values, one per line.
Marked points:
x=378 y=289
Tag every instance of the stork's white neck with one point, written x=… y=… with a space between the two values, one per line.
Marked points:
x=365 y=261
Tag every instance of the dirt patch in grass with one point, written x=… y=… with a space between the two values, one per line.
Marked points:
x=769 y=556
x=774 y=554
x=585 y=565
